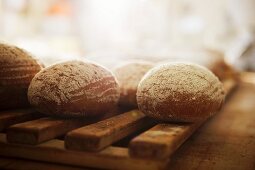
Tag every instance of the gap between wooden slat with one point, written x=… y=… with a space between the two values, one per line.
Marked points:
x=97 y=136
x=41 y=130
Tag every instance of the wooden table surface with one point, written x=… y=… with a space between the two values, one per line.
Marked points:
x=226 y=141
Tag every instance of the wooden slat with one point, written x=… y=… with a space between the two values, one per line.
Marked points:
x=101 y=134
x=10 y=117
x=54 y=151
x=41 y=130
x=37 y=131
x=161 y=141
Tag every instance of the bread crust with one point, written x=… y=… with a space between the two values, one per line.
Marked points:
x=18 y=67
x=129 y=76
x=74 y=89
x=181 y=92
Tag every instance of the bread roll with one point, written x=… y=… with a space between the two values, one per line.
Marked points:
x=18 y=68
x=180 y=92
x=129 y=76
x=74 y=89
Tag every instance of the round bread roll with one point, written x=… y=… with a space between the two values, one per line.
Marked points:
x=74 y=89
x=182 y=92
x=18 y=68
x=129 y=76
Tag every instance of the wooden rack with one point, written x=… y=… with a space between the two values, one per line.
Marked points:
x=118 y=140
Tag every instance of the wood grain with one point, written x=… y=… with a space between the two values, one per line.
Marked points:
x=10 y=117
x=161 y=141
x=54 y=151
x=99 y=135
x=41 y=130
x=38 y=131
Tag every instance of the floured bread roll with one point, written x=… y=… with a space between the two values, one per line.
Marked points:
x=180 y=92
x=74 y=89
x=18 y=68
x=129 y=76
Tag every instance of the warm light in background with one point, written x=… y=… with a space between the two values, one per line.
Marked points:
x=65 y=29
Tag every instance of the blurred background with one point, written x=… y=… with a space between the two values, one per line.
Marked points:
x=108 y=31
